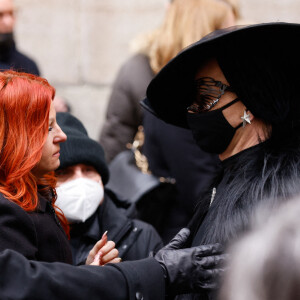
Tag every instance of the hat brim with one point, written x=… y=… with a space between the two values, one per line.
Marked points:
x=171 y=90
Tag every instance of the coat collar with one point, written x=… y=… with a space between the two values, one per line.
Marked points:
x=108 y=217
x=43 y=203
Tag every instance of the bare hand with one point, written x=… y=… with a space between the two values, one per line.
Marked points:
x=103 y=252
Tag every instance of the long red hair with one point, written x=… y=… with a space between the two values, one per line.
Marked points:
x=25 y=101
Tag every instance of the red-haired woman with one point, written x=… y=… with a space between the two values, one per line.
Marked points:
x=29 y=143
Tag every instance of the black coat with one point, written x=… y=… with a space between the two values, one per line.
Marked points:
x=134 y=239
x=172 y=152
x=23 y=279
x=11 y=58
x=37 y=235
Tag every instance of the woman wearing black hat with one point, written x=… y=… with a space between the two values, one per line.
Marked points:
x=236 y=89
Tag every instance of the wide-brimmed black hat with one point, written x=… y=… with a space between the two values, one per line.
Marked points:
x=79 y=147
x=261 y=63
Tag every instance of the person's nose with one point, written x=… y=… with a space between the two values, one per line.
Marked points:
x=8 y=21
x=78 y=173
x=60 y=136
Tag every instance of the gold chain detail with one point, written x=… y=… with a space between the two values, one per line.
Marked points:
x=140 y=159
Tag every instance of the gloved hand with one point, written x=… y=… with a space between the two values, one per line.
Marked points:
x=191 y=269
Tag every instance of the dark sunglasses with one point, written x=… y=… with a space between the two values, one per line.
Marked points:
x=208 y=93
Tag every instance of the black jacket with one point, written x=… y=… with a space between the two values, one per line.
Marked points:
x=23 y=279
x=37 y=235
x=134 y=239
x=172 y=152
x=11 y=58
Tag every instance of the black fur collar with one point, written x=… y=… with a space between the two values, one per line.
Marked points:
x=269 y=172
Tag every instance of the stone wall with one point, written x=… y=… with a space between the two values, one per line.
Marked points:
x=79 y=45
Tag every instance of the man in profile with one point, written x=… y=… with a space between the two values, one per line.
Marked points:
x=10 y=57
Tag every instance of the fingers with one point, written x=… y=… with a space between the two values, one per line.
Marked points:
x=210 y=262
x=115 y=260
x=109 y=246
x=100 y=244
x=178 y=241
x=208 y=250
x=96 y=249
x=97 y=260
x=210 y=275
x=108 y=253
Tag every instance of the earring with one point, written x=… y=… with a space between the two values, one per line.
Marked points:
x=246 y=118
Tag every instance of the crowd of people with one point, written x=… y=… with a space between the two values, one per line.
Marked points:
x=219 y=109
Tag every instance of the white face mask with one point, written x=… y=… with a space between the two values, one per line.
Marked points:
x=79 y=198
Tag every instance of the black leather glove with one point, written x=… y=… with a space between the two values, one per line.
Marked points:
x=191 y=269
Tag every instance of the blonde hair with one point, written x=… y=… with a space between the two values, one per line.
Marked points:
x=186 y=22
x=235 y=5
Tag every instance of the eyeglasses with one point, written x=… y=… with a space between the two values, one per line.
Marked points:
x=208 y=94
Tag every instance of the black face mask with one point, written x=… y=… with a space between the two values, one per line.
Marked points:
x=211 y=130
